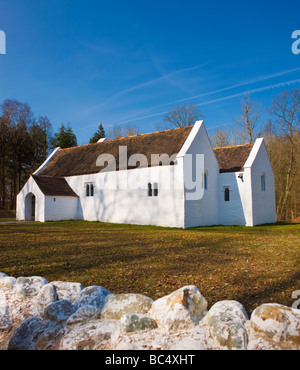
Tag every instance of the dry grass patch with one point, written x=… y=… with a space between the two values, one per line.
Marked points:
x=252 y=265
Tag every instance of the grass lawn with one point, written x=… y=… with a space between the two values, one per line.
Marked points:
x=252 y=265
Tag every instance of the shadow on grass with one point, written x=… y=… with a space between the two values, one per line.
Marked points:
x=280 y=223
x=250 y=299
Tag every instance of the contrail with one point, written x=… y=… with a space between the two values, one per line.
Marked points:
x=258 y=79
x=253 y=91
x=250 y=82
x=144 y=84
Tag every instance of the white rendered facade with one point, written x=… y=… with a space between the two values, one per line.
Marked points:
x=122 y=196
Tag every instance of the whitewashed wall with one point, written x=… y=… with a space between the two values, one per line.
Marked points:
x=238 y=211
x=264 y=204
x=204 y=211
x=248 y=204
x=59 y=208
x=46 y=208
x=131 y=204
x=23 y=206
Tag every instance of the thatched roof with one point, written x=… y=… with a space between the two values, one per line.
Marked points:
x=233 y=158
x=54 y=186
x=81 y=160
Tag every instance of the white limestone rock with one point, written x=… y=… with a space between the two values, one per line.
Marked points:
x=7 y=283
x=125 y=346
x=117 y=305
x=84 y=314
x=2 y=275
x=46 y=296
x=181 y=310
x=102 y=321
x=5 y=320
x=92 y=296
x=226 y=321
x=131 y=323
x=59 y=311
x=66 y=290
x=88 y=336
x=187 y=344
x=278 y=324
x=29 y=286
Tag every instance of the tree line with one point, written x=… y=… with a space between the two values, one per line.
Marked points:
x=26 y=141
x=24 y=145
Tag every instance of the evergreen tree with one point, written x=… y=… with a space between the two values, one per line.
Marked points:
x=36 y=140
x=46 y=135
x=64 y=138
x=100 y=134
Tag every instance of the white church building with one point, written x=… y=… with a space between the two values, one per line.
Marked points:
x=172 y=178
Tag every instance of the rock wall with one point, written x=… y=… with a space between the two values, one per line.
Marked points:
x=37 y=315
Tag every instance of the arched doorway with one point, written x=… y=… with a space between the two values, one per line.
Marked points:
x=30 y=207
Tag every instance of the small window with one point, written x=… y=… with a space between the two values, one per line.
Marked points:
x=205 y=180
x=155 y=189
x=227 y=195
x=89 y=190
x=149 y=190
x=263 y=182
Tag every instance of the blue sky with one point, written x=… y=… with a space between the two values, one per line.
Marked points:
x=130 y=61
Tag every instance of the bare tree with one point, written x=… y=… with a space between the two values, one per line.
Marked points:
x=248 y=120
x=130 y=130
x=220 y=138
x=286 y=112
x=117 y=132
x=17 y=117
x=4 y=159
x=23 y=147
x=228 y=136
x=183 y=115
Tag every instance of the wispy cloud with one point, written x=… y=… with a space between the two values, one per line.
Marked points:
x=166 y=77
x=252 y=91
x=228 y=97
x=228 y=88
x=250 y=82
